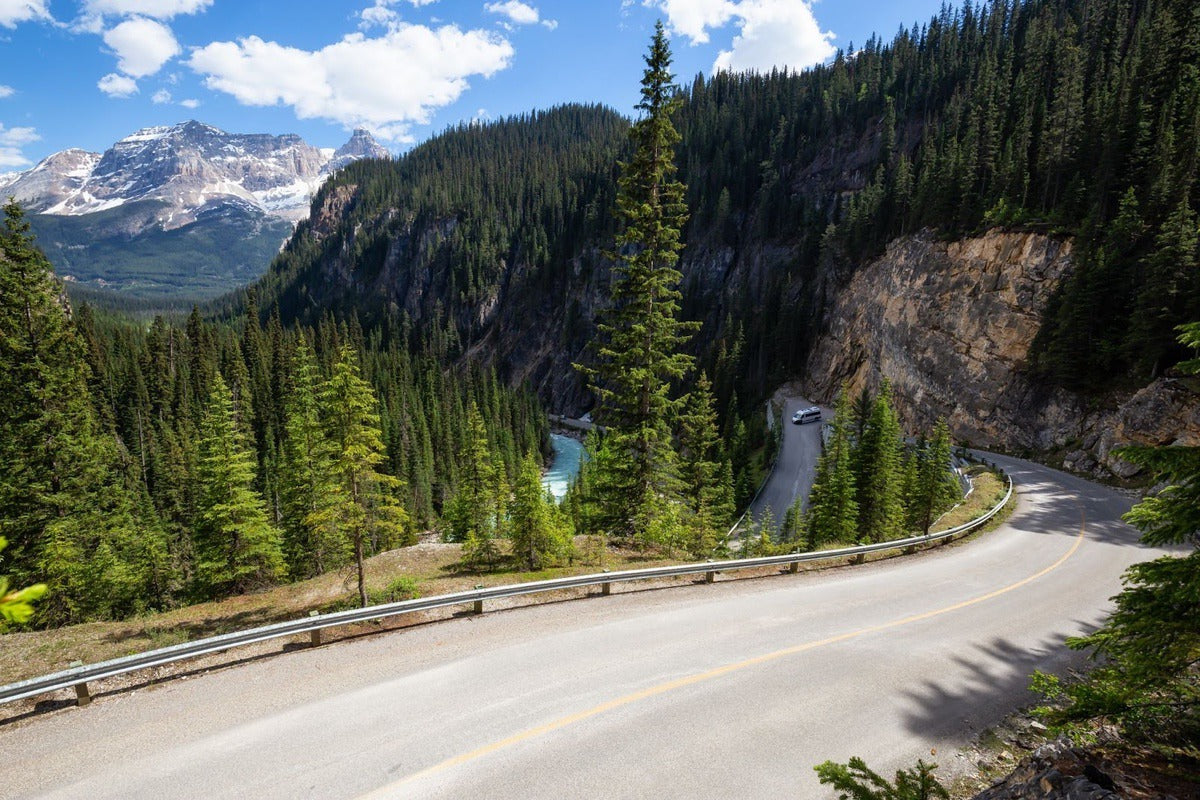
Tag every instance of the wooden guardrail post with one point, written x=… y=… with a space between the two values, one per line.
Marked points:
x=794 y=567
x=315 y=633
x=83 y=697
x=479 y=603
x=606 y=587
x=711 y=575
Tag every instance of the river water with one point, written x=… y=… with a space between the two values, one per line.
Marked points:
x=564 y=465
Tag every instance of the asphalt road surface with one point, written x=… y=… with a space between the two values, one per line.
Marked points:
x=796 y=466
x=728 y=690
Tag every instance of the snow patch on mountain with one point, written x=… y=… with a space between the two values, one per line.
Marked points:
x=186 y=168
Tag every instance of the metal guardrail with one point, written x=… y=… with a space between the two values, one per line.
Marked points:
x=78 y=677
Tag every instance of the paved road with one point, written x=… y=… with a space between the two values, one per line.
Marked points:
x=730 y=690
x=797 y=464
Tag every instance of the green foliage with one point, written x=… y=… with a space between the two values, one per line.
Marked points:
x=17 y=605
x=307 y=479
x=833 y=504
x=69 y=513
x=705 y=472
x=934 y=489
x=539 y=532
x=361 y=504
x=878 y=476
x=638 y=355
x=855 y=781
x=215 y=254
x=237 y=547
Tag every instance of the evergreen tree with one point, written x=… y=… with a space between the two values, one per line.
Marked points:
x=936 y=487
x=311 y=544
x=878 y=478
x=474 y=512
x=539 y=537
x=69 y=516
x=639 y=355
x=237 y=548
x=706 y=481
x=833 y=507
x=362 y=505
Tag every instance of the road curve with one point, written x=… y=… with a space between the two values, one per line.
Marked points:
x=730 y=690
x=796 y=466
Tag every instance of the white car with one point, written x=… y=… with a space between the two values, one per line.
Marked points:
x=807 y=415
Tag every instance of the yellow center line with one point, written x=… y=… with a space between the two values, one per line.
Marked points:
x=541 y=730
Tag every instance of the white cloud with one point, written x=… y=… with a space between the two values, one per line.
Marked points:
x=11 y=142
x=6 y=91
x=142 y=46
x=190 y=102
x=517 y=12
x=159 y=9
x=771 y=33
x=378 y=14
x=14 y=11
x=384 y=83
x=550 y=24
x=693 y=18
x=115 y=85
x=161 y=96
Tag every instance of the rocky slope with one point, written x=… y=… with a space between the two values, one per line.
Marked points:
x=177 y=209
x=950 y=325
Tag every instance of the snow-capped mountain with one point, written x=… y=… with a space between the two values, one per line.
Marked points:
x=175 y=213
x=186 y=168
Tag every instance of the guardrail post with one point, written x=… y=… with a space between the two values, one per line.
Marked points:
x=479 y=603
x=908 y=551
x=606 y=587
x=794 y=567
x=315 y=633
x=83 y=697
x=860 y=558
x=711 y=575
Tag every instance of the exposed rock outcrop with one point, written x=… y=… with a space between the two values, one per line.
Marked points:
x=950 y=324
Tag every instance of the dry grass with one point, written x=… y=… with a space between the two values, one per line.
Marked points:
x=989 y=489
x=434 y=567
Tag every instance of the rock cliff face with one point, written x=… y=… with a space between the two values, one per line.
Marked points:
x=951 y=324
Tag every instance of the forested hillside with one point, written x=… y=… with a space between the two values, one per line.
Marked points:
x=146 y=466
x=1072 y=117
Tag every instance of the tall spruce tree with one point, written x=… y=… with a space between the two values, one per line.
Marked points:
x=538 y=533
x=707 y=484
x=936 y=486
x=879 y=479
x=69 y=516
x=474 y=513
x=237 y=547
x=363 y=503
x=833 y=507
x=312 y=545
x=639 y=356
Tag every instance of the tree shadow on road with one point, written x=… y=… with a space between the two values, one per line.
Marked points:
x=996 y=684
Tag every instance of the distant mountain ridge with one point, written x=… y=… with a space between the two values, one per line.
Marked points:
x=145 y=216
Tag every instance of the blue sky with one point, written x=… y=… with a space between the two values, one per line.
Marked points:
x=84 y=73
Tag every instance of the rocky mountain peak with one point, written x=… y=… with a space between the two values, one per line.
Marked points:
x=186 y=168
x=361 y=145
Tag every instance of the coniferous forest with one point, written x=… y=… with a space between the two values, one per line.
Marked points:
x=428 y=290
x=144 y=466
x=1070 y=117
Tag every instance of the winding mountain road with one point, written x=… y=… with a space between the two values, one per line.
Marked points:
x=729 y=690
x=796 y=466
